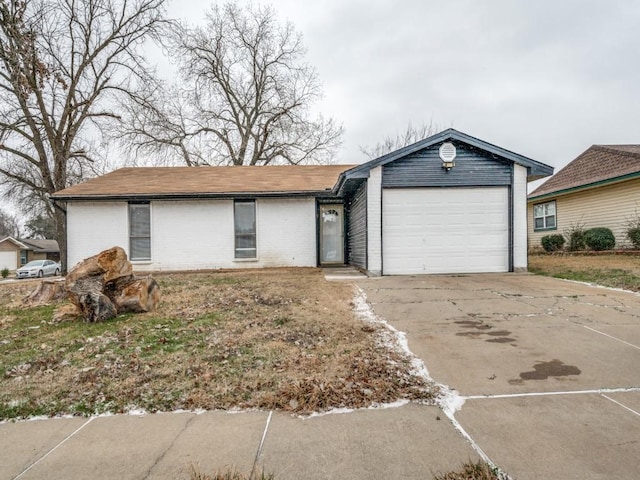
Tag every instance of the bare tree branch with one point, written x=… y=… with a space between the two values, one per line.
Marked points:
x=411 y=134
x=244 y=98
x=62 y=62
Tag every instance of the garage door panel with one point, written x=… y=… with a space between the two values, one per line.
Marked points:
x=8 y=260
x=454 y=230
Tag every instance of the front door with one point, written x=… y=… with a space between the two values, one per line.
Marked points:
x=331 y=234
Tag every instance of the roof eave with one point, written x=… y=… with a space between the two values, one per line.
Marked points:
x=586 y=186
x=18 y=243
x=191 y=196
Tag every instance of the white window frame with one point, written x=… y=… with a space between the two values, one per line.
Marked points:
x=545 y=212
x=145 y=259
x=247 y=250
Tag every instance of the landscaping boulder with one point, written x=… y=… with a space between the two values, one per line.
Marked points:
x=104 y=286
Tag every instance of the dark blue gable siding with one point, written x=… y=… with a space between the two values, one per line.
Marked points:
x=474 y=167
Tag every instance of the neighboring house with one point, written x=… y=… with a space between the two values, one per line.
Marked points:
x=15 y=253
x=449 y=203
x=600 y=188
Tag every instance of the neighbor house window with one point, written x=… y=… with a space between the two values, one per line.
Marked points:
x=244 y=215
x=544 y=216
x=139 y=231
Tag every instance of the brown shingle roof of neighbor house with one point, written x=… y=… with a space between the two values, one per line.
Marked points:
x=41 y=246
x=597 y=164
x=194 y=181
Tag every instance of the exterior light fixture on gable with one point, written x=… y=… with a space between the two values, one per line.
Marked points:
x=447 y=155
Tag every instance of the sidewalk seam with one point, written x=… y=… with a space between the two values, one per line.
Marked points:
x=620 y=404
x=264 y=436
x=54 y=448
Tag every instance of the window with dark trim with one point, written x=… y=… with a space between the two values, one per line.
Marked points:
x=544 y=216
x=139 y=232
x=244 y=217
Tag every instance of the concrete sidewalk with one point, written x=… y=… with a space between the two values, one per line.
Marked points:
x=408 y=442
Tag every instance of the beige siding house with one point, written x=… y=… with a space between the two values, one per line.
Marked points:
x=600 y=188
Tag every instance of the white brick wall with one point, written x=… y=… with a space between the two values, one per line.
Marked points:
x=374 y=219
x=199 y=234
x=519 y=218
x=286 y=232
x=94 y=227
x=191 y=235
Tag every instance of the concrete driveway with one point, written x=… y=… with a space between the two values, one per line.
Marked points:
x=549 y=369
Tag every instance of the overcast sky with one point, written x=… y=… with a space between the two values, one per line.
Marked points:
x=546 y=79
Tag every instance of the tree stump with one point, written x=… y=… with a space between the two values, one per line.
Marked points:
x=47 y=291
x=104 y=286
x=142 y=295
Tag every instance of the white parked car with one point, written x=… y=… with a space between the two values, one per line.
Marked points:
x=38 y=268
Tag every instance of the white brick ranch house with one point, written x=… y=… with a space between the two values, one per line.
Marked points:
x=450 y=203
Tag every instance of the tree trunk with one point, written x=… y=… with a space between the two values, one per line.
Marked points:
x=60 y=218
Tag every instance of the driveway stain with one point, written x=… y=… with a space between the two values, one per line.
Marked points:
x=477 y=324
x=554 y=368
x=481 y=328
x=501 y=340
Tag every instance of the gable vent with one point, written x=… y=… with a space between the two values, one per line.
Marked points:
x=447 y=152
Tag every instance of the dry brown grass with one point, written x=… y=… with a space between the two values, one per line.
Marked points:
x=610 y=270
x=272 y=339
x=472 y=471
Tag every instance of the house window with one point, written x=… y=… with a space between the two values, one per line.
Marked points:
x=139 y=231
x=544 y=216
x=244 y=215
x=23 y=257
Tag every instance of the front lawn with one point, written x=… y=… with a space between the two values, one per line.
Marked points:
x=617 y=271
x=273 y=339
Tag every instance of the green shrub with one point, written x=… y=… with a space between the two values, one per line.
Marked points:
x=4 y=272
x=633 y=234
x=599 y=239
x=575 y=235
x=552 y=243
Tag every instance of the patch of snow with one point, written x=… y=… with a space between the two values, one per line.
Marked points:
x=339 y=411
x=394 y=339
x=589 y=284
x=137 y=412
x=449 y=400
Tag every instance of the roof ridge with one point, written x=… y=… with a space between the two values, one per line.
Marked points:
x=612 y=149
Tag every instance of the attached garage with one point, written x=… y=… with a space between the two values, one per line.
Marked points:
x=10 y=253
x=450 y=203
x=445 y=230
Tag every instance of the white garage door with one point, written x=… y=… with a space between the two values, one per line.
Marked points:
x=8 y=260
x=445 y=230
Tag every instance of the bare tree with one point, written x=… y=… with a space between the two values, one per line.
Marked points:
x=245 y=96
x=9 y=225
x=391 y=143
x=62 y=64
